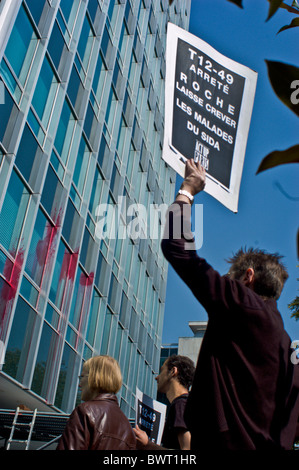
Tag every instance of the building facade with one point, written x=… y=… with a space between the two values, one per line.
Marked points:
x=190 y=346
x=81 y=132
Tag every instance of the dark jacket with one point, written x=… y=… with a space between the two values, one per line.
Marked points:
x=175 y=422
x=245 y=393
x=98 y=424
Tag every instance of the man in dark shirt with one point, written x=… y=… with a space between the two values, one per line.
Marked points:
x=174 y=380
x=245 y=393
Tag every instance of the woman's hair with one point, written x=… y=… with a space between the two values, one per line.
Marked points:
x=104 y=374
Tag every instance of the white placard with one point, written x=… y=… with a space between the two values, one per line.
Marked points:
x=150 y=416
x=208 y=106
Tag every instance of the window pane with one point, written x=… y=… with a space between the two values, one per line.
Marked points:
x=96 y=193
x=112 y=13
x=52 y=194
x=44 y=361
x=67 y=371
x=124 y=311
x=56 y=45
x=99 y=78
x=89 y=120
x=85 y=43
x=71 y=225
x=111 y=111
x=28 y=291
x=127 y=366
x=65 y=132
x=27 y=153
x=39 y=248
x=6 y=113
x=69 y=9
x=123 y=42
x=10 y=81
x=120 y=146
x=21 y=46
x=93 y=318
x=52 y=316
x=92 y=8
x=19 y=340
x=105 y=41
x=45 y=91
x=58 y=167
x=73 y=86
x=13 y=213
x=106 y=333
x=36 y=9
x=76 y=311
x=36 y=127
x=81 y=167
x=64 y=272
x=87 y=251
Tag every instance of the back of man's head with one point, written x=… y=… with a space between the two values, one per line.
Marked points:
x=185 y=367
x=269 y=272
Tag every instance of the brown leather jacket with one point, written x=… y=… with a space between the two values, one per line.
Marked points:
x=98 y=424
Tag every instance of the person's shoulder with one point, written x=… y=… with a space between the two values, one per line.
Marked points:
x=92 y=409
x=180 y=401
x=182 y=397
x=81 y=408
x=78 y=413
x=247 y=298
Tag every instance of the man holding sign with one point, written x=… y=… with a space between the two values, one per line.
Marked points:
x=174 y=380
x=245 y=393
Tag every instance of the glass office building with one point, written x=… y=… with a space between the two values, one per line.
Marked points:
x=81 y=129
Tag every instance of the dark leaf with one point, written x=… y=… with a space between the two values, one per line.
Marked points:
x=274 y=5
x=237 y=2
x=294 y=307
x=293 y=24
x=284 y=78
x=295 y=5
x=279 y=157
x=291 y=9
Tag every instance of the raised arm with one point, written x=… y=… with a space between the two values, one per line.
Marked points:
x=213 y=291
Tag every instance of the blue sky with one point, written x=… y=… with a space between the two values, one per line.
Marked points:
x=267 y=215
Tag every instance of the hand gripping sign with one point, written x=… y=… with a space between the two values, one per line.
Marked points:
x=150 y=416
x=208 y=106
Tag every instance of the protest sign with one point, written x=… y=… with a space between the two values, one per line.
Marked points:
x=150 y=416
x=208 y=106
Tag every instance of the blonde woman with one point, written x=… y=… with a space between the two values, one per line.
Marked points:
x=98 y=423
